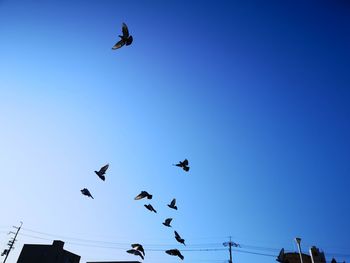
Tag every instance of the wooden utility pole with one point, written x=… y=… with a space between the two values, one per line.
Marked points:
x=11 y=242
x=230 y=244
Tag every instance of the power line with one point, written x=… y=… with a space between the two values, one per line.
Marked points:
x=104 y=242
x=153 y=247
x=160 y=250
x=255 y=253
x=149 y=245
x=73 y=238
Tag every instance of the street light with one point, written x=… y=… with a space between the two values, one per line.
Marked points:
x=298 y=240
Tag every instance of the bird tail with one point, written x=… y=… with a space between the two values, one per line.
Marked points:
x=149 y=196
x=92 y=197
x=182 y=257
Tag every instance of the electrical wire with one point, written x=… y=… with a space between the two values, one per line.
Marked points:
x=199 y=247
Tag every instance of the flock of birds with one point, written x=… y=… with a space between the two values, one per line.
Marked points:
x=137 y=249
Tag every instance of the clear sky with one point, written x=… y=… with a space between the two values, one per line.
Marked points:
x=254 y=93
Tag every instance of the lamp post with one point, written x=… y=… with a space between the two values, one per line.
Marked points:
x=298 y=240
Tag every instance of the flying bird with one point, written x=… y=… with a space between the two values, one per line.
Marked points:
x=125 y=39
x=138 y=247
x=150 y=208
x=173 y=204
x=102 y=172
x=86 y=192
x=143 y=194
x=179 y=239
x=135 y=252
x=174 y=252
x=183 y=165
x=167 y=222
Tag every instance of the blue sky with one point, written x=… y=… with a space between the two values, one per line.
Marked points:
x=255 y=94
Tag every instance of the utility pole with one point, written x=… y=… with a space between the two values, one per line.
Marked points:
x=11 y=242
x=230 y=244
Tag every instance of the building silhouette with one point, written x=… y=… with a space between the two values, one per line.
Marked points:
x=292 y=257
x=47 y=254
x=114 y=262
x=316 y=256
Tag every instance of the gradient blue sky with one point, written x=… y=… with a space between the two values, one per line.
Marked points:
x=254 y=93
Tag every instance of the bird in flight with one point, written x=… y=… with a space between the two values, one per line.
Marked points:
x=143 y=194
x=174 y=252
x=135 y=252
x=150 y=208
x=138 y=247
x=125 y=39
x=167 y=222
x=102 y=171
x=183 y=165
x=179 y=239
x=173 y=204
x=86 y=192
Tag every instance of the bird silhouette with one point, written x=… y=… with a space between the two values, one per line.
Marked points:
x=125 y=39
x=143 y=194
x=86 y=192
x=183 y=165
x=179 y=239
x=150 y=208
x=135 y=252
x=138 y=247
x=102 y=171
x=173 y=204
x=167 y=222
x=175 y=252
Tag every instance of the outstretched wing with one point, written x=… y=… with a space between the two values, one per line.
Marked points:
x=119 y=44
x=104 y=169
x=177 y=235
x=138 y=247
x=135 y=252
x=152 y=208
x=168 y=221
x=140 y=195
x=102 y=177
x=173 y=202
x=185 y=162
x=125 y=30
